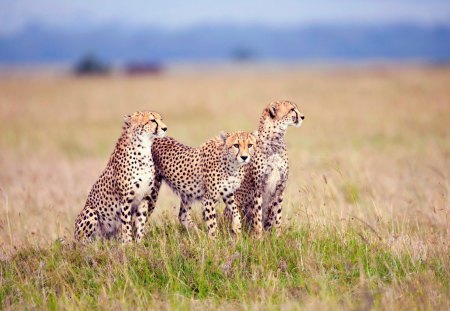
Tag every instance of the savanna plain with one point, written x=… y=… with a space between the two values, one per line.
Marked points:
x=366 y=211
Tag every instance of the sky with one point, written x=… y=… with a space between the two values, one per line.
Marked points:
x=79 y=14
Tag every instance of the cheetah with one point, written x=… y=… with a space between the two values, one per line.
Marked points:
x=120 y=196
x=206 y=174
x=265 y=178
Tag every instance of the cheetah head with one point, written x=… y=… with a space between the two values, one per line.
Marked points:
x=239 y=146
x=283 y=114
x=145 y=123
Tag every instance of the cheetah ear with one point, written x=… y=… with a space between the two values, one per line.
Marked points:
x=127 y=120
x=272 y=111
x=223 y=135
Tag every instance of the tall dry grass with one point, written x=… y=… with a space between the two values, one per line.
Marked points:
x=375 y=143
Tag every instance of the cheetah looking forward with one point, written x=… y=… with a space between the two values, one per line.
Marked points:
x=266 y=176
x=213 y=171
x=120 y=195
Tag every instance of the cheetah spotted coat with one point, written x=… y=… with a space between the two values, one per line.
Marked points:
x=261 y=192
x=204 y=174
x=121 y=193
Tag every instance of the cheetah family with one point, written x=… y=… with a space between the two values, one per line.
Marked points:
x=247 y=171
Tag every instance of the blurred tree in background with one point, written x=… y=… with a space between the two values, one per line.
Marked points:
x=89 y=64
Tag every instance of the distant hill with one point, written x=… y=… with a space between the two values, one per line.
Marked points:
x=39 y=44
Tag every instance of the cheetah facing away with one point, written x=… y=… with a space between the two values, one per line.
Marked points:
x=121 y=194
x=206 y=174
x=261 y=192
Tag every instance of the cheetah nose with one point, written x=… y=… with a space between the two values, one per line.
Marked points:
x=164 y=129
x=244 y=157
x=302 y=117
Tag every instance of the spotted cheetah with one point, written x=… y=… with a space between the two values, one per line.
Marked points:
x=121 y=194
x=212 y=171
x=265 y=179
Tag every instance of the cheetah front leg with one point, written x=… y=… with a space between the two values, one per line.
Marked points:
x=239 y=198
x=255 y=210
x=232 y=209
x=146 y=207
x=257 y=225
x=184 y=216
x=141 y=218
x=274 y=209
x=209 y=215
x=227 y=214
x=125 y=218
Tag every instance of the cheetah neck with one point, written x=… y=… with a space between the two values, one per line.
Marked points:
x=232 y=167
x=271 y=138
x=142 y=142
x=138 y=145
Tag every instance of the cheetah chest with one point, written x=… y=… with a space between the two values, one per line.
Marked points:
x=231 y=184
x=143 y=183
x=142 y=175
x=275 y=172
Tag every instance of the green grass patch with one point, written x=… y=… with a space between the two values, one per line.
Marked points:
x=172 y=268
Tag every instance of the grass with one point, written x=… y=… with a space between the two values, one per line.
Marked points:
x=346 y=268
x=366 y=209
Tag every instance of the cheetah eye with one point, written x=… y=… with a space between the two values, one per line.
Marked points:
x=236 y=145
x=250 y=145
x=154 y=121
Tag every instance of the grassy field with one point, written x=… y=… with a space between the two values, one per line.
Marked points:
x=367 y=208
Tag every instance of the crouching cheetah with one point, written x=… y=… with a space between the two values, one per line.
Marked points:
x=120 y=195
x=213 y=171
x=266 y=176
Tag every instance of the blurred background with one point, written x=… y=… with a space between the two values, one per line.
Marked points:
x=137 y=37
